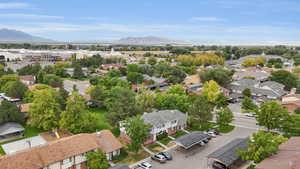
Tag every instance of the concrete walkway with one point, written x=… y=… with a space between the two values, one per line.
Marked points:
x=186 y=131
x=147 y=150
x=161 y=144
x=171 y=137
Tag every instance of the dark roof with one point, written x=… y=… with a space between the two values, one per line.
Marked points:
x=122 y=166
x=228 y=153
x=191 y=139
x=10 y=128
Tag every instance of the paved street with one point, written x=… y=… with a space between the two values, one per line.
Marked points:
x=196 y=157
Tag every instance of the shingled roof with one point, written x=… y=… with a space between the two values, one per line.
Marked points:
x=158 y=118
x=44 y=155
x=191 y=139
x=228 y=153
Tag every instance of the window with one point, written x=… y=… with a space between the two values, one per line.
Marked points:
x=174 y=122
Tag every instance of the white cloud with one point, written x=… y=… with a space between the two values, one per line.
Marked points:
x=206 y=19
x=29 y=16
x=14 y=5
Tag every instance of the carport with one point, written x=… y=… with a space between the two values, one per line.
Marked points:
x=189 y=140
x=120 y=166
x=228 y=155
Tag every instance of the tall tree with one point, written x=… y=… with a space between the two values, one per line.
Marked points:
x=201 y=110
x=211 y=91
x=248 y=105
x=261 y=146
x=74 y=117
x=98 y=96
x=9 y=112
x=271 y=115
x=285 y=77
x=247 y=92
x=138 y=132
x=15 y=89
x=145 y=100
x=221 y=76
x=78 y=73
x=224 y=116
x=97 y=160
x=45 y=110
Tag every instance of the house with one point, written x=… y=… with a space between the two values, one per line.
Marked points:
x=287 y=156
x=28 y=80
x=24 y=108
x=112 y=66
x=257 y=75
x=10 y=131
x=266 y=90
x=66 y=153
x=163 y=121
x=291 y=102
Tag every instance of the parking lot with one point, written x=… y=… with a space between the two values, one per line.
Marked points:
x=195 y=158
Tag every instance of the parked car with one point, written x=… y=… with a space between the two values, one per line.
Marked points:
x=249 y=115
x=202 y=143
x=215 y=131
x=211 y=134
x=167 y=155
x=205 y=140
x=217 y=165
x=145 y=165
x=159 y=158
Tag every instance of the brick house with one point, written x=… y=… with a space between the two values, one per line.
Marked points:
x=168 y=121
x=66 y=153
x=28 y=80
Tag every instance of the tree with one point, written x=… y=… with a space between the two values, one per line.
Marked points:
x=121 y=103
x=53 y=80
x=138 y=132
x=211 y=91
x=40 y=76
x=114 y=73
x=247 y=92
x=271 y=115
x=31 y=69
x=221 y=76
x=9 y=112
x=78 y=73
x=201 y=110
x=291 y=126
x=165 y=101
x=261 y=146
x=284 y=77
x=63 y=96
x=97 y=160
x=177 y=89
x=224 y=116
x=152 y=60
x=73 y=119
x=145 y=100
x=98 y=96
x=15 y=89
x=135 y=77
x=45 y=110
x=7 y=78
x=248 y=105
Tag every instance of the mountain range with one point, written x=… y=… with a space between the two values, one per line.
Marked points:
x=10 y=35
x=149 y=40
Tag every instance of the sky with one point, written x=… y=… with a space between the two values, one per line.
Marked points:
x=202 y=21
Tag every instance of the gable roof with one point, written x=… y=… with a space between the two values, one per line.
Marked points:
x=158 y=118
x=191 y=139
x=228 y=153
x=9 y=128
x=44 y=155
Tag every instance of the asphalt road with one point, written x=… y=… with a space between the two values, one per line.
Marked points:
x=196 y=157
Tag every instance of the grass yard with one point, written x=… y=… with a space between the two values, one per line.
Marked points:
x=156 y=148
x=165 y=140
x=226 y=129
x=101 y=116
x=132 y=158
x=179 y=134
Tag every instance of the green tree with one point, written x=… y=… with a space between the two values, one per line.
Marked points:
x=63 y=96
x=201 y=110
x=138 y=132
x=261 y=146
x=145 y=100
x=135 y=77
x=248 y=105
x=73 y=119
x=165 y=101
x=15 y=89
x=152 y=60
x=291 y=126
x=97 y=160
x=40 y=76
x=247 y=92
x=78 y=73
x=98 y=95
x=45 y=110
x=121 y=104
x=224 y=116
x=7 y=78
x=177 y=89
x=221 y=76
x=271 y=115
x=284 y=77
x=211 y=91
x=9 y=112
x=53 y=80
x=114 y=73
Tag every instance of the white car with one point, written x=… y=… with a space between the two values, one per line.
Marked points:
x=145 y=165
x=249 y=115
x=211 y=134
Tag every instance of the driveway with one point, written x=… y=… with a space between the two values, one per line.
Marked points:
x=195 y=158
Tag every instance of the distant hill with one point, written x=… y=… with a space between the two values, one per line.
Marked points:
x=149 y=40
x=10 y=35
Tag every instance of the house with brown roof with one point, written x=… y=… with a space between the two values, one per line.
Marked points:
x=28 y=80
x=66 y=153
x=291 y=102
x=287 y=156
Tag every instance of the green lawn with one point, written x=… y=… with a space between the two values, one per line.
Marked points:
x=179 y=134
x=226 y=129
x=156 y=148
x=165 y=140
x=101 y=116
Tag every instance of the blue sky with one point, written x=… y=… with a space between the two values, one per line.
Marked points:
x=214 y=21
